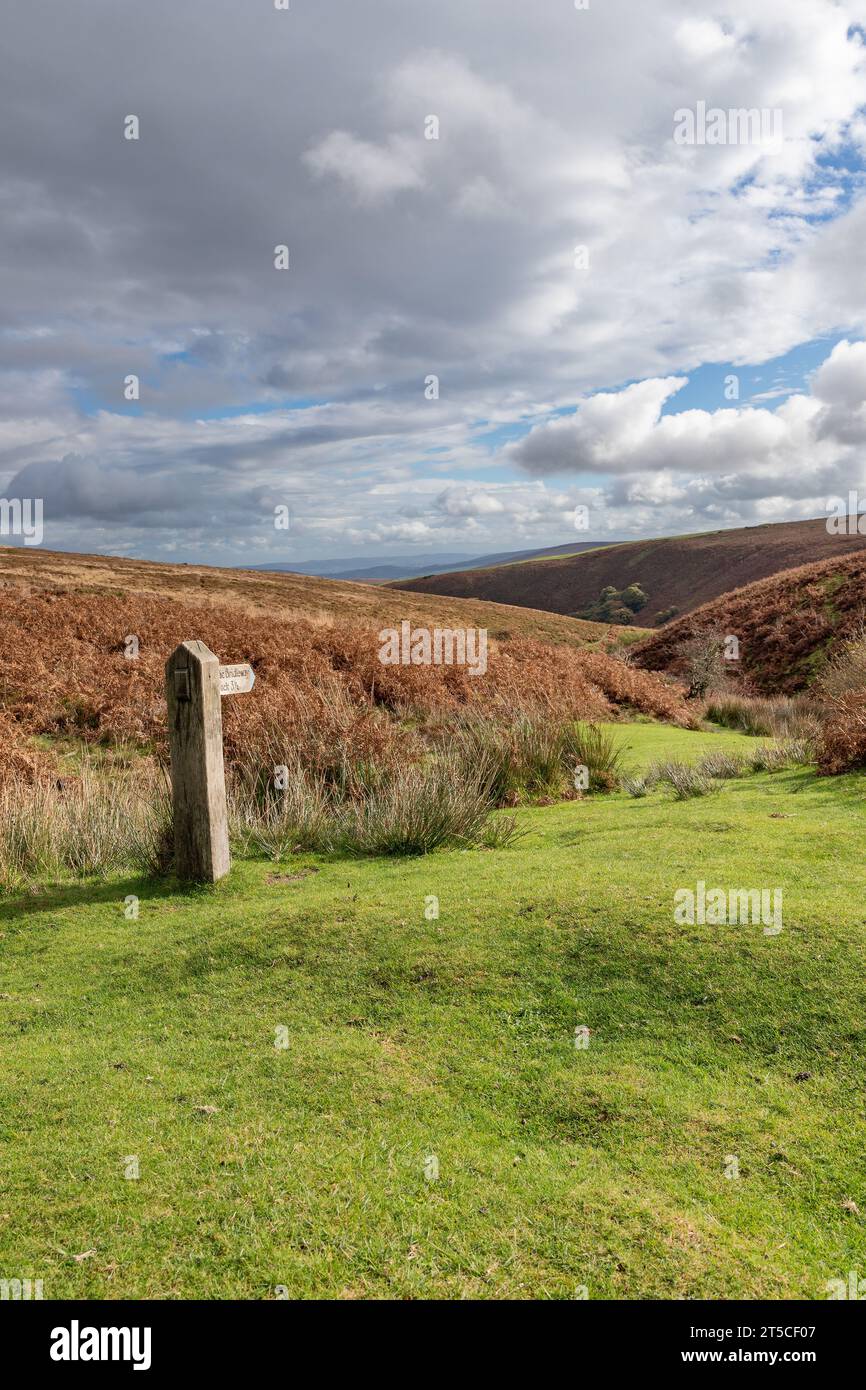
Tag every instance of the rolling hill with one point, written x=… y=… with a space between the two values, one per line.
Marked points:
x=678 y=573
x=787 y=625
x=286 y=595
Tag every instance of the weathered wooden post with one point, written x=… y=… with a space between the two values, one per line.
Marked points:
x=194 y=685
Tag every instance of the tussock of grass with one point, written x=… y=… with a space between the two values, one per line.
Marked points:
x=437 y=798
x=691 y=780
x=337 y=795
x=426 y=807
x=597 y=749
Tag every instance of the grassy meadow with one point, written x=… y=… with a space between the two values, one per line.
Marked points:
x=328 y=1091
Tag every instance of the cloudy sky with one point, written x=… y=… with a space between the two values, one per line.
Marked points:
x=669 y=334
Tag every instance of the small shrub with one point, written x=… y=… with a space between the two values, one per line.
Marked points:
x=701 y=656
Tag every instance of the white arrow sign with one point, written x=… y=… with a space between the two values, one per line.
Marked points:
x=236 y=680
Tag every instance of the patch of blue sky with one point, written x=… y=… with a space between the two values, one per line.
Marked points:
x=840 y=167
x=844 y=168
x=497 y=435
x=764 y=384
x=761 y=385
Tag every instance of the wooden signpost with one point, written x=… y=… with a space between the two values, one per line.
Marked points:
x=194 y=685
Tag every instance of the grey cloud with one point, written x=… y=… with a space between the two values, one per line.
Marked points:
x=88 y=489
x=408 y=257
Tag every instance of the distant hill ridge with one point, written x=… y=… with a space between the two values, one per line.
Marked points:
x=678 y=573
x=394 y=567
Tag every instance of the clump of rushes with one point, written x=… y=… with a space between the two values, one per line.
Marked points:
x=773 y=757
x=339 y=799
x=688 y=781
x=424 y=807
x=536 y=757
x=635 y=786
x=685 y=780
x=410 y=808
x=590 y=746
x=781 y=716
x=721 y=765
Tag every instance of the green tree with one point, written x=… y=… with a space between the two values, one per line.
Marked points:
x=615 y=605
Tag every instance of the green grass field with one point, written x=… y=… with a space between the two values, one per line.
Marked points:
x=418 y=1044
